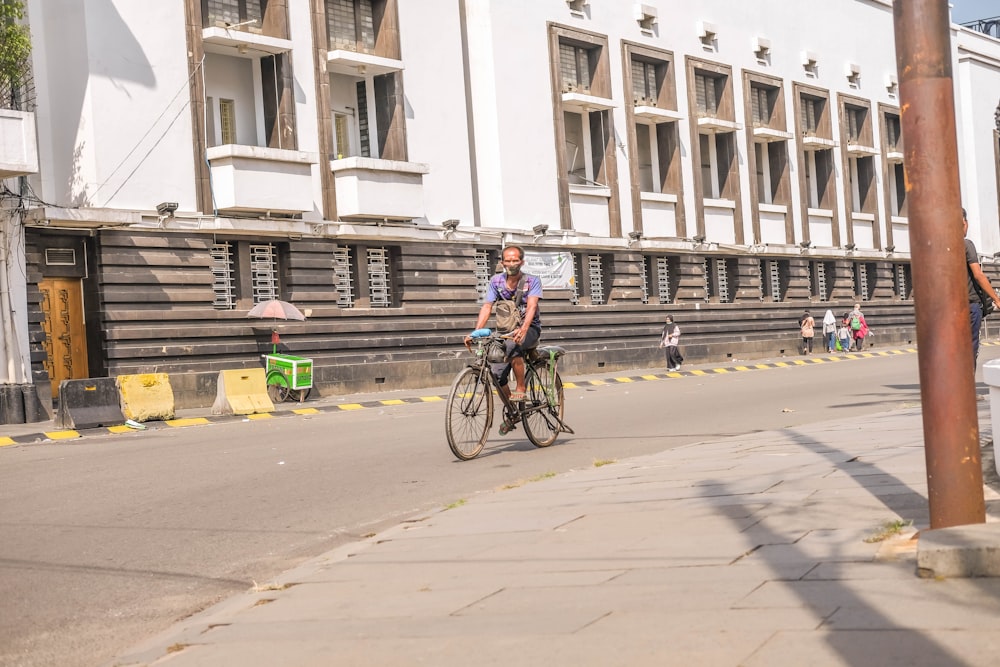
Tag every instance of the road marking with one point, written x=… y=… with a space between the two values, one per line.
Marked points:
x=351 y=406
x=261 y=415
x=393 y=401
x=121 y=429
x=4 y=441
x=306 y=411
x=190 y=421
x=720 y=371
x=431 y=399
x=623 y=380
x=644 y=377
x=62 y=435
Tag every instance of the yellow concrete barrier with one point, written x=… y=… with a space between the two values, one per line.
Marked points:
x=146 y=397
x=242 y=392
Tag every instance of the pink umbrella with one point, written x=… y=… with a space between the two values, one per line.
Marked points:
x=275 y=309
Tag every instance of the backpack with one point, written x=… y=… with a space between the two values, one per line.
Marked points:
x=507 y=312
x=855 y=323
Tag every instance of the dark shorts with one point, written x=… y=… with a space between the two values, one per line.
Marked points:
x=502 y=371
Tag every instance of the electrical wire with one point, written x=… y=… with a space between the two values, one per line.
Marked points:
x=152 y=126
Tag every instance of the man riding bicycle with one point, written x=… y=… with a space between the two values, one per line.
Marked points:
x=505 y=286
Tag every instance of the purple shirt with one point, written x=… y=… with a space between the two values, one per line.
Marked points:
x=532 y=287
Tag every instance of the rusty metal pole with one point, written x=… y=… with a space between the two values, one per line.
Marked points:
x=930 y=158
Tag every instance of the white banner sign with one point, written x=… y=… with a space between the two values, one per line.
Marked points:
x=554 y=268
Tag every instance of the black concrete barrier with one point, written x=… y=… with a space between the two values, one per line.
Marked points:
x=89 y=403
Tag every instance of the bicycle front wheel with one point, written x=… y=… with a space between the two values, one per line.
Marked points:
x=469 y=414
x=543 y=407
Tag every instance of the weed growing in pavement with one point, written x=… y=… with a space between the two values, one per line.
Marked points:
x=457 y=503
x=603 y=462
x=888 y=529
x=544 y=475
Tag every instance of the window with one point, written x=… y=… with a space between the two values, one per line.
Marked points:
x=710 y=92
x=892 y=139
x=864 y=282
x=351 y=25
x=227 y=120
x=860 y=167
x=223 y=284
x=762 y=99
x=821 y=280
x=718 y=274
x=341 y=136
x=575 y=66
x=819 y=173
x=903 y=281
x=707 y=93
x=717 y=162
x=773 y=279
x=245 y=273
x=591 y=273
x=226 y=13
x=659 y=278
x=587 y=135
x=645 y=86
x=485 y=262
x=812 y=111
x=264 y=272
x=343 y=276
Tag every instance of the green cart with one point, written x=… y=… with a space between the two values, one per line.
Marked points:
x=288 y=377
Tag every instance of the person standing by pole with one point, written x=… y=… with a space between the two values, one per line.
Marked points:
x=922 y=31
x=976 y=277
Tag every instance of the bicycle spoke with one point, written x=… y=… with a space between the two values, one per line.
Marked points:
x=469 y=414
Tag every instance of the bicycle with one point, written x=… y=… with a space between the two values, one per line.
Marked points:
x=469 y=415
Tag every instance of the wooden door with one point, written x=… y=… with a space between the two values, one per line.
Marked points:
x=65 y=334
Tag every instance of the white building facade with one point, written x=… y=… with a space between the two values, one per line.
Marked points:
x=726 y=162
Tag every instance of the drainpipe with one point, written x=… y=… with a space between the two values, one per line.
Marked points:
x=947 y=372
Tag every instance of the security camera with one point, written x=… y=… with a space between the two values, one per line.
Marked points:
x=540 y=230
x=451 y=225
x=166 y=208
x=635 y=236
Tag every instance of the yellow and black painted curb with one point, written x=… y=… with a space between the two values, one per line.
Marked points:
x=48 y=436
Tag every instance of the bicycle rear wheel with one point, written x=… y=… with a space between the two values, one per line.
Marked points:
x=543 y=407
x=469 y=414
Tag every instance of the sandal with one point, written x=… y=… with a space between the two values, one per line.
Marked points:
x=506 y=427
x=517 y=396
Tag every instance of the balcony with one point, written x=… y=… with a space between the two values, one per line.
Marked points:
x=18 y=147
x=261 y=180
x=369 y=188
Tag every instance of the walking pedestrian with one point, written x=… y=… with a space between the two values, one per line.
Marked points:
x=830 y=330
x=807 y=328
x=844 y=335
x=859 y=327
x=669 y=339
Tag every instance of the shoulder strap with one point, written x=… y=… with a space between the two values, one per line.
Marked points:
x=520 y=289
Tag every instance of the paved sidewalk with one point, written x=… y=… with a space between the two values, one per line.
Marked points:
x=751 y=550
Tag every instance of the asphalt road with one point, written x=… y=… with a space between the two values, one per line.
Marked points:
x=108 y=540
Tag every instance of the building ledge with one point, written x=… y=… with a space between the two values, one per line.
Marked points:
x=711 y=125
x=260 y=153
x=55 y=216
x=767 y=134
x=664 y=197
x=656 y=114
x=857 y=150
x=354 y=63
x=376 y=164
x=583 y=102
x=228 y=42
x=813 y=143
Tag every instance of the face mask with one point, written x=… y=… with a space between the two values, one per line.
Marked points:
x=512 y=270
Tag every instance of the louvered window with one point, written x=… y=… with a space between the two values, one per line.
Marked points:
x=60 y=257
x=483 y=271
x=903 y=281
x=861 y=281
x=223 y=285
x=343 y=276
x=225 y=13
x=663 y=286
x=818 y=271
x=892 y=131
x=811 y=109
x=596 y=271
x=645 y=279
x=379 y=278
x=706 y=93
x=574 y=67
x=644 y=88
x=264 y=272
x=351 y=25
x=760 y=105
x=771 y=271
